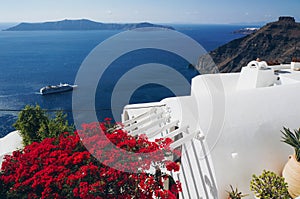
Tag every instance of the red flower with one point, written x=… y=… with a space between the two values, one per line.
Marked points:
x=63 y=168
x=172 y=166
x=107 y=119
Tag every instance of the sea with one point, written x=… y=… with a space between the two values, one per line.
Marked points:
x=30 y=60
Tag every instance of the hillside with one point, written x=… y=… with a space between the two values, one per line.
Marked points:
x=275 y=42
x=82 y=24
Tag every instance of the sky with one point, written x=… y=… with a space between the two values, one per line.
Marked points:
x=155 y=11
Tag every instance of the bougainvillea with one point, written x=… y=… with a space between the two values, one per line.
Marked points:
x=63 y=168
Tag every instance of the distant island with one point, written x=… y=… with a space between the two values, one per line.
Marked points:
x=276 y=42
x=82 y=24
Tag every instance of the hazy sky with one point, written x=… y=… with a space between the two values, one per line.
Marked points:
x=157 y=11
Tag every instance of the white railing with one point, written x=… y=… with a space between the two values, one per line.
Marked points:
x=152 y=122
x=281 y=66
x=196 y=171
x=164 y=129
x=139 y=117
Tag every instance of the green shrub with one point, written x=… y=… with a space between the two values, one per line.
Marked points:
x=30 y=121
x=35 y=125
x=269 y=186
x=56 y=126
x=235 y=193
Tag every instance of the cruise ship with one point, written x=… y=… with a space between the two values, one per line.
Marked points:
x=56 y=89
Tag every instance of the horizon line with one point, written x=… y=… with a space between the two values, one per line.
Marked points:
x=142 y=21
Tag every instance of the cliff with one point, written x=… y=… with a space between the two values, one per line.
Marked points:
x=276 y=42
x=82 y=24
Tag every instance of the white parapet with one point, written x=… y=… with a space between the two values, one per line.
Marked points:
x=295 y=65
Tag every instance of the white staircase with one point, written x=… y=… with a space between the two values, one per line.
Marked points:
x=196 y=173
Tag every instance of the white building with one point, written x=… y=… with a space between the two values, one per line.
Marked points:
x=230 y=126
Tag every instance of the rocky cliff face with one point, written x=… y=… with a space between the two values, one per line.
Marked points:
x=276 y=42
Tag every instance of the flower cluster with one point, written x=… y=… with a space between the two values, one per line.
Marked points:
x=63 y=168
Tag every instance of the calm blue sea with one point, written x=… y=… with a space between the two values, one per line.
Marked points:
x=30 y=60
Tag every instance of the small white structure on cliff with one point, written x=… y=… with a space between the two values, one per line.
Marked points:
x=228 y=128
x=10 y=143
